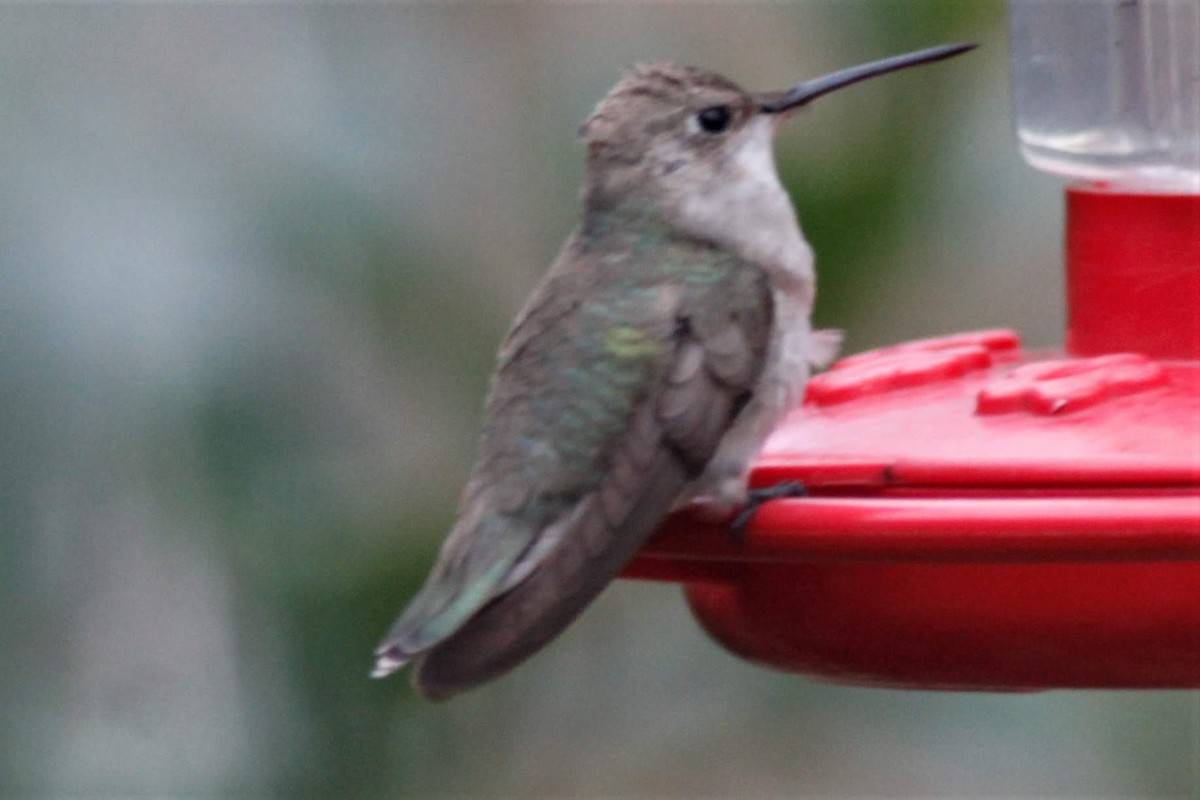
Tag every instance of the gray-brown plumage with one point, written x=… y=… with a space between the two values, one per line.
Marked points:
x=646 y=370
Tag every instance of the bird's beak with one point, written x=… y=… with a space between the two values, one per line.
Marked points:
x=804 y=93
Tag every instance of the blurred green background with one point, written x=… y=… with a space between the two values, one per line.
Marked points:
x=254 y=265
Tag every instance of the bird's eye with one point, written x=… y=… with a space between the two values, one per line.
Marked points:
x=715 y=119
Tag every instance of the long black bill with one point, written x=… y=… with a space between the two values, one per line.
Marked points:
x=810 y=90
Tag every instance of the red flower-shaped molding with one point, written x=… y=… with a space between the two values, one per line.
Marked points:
x=1057 y=387
x=911 y=364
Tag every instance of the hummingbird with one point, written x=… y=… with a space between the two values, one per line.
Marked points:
x=644 y=373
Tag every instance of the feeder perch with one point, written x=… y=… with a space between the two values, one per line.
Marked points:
x=980 y=516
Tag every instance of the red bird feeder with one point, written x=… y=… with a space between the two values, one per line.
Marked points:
x=984 y=517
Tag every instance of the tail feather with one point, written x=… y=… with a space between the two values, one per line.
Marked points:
x=387 y=661
x=514 y=625
x=463 y=581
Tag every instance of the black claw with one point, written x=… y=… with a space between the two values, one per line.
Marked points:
x=756 y=497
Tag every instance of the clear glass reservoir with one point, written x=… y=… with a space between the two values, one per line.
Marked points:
x=1109 y=90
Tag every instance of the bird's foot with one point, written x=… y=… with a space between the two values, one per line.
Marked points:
x=756 y=497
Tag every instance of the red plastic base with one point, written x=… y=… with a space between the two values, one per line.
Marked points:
x=965 y=626
x=977 y=519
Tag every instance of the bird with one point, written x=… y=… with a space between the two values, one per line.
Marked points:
x=643 y=374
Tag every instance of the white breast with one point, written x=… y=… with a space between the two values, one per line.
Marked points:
x=741 y=204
